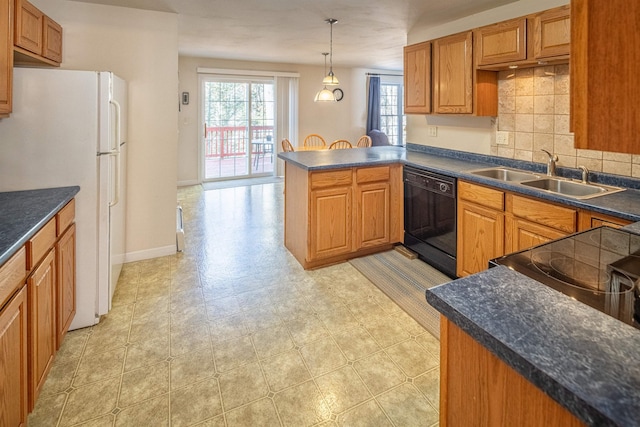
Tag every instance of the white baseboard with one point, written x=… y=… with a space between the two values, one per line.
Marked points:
x=150 y=253
x=188 y=182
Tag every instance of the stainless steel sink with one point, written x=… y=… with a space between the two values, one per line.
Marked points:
x=505 y=174
x=577 y=190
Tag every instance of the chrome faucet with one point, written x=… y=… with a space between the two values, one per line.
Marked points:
x=585 y=174
x=551 y=164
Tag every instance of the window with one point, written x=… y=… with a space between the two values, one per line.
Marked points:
x=392 y=119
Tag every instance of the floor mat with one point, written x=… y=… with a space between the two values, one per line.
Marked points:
x=216 y=185
x=405 y=281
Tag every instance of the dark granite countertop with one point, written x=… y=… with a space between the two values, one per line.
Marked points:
x=23 y=213
x=584 y=359
x=458 y=164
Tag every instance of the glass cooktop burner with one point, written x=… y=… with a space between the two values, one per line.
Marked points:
x=599 y=267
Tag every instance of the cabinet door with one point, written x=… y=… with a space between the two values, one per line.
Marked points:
x=28 y=27
x=13 y=361
x=604 y=82
x=417 y=78
x=587 y=220
x=66 y=285
x=453 y=74
x=330 y=228
x=372 y=217
x=501 y=43
x=552 y=33
x=523 y=234
x=41 y=288
x=480 y=237
x=52 y=40
x=6 y=56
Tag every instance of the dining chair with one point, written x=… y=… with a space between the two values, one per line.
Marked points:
x=340 y=144
x=314 y=141
x=286 y=145
x=364 y=141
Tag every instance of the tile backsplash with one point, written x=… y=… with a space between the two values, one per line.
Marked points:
x=534 y=108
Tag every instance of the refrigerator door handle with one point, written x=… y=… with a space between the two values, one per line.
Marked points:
x=116 y=152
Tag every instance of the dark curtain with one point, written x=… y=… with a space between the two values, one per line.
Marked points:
x=373 y=107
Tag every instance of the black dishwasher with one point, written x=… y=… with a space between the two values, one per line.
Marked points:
x=430 y=218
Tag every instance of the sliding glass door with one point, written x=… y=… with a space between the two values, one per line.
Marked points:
x=238 y=122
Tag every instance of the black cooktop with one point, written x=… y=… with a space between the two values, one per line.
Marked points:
x=599 y=267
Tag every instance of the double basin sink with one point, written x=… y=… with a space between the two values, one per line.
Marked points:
x=552 y=184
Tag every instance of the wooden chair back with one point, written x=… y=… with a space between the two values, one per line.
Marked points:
x=340 y=144
x=286 y=145
x=364 y=141
x=314 y=141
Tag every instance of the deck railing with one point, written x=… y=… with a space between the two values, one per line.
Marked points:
x=232 y=141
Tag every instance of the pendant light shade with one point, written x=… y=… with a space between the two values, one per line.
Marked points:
x=325 y=95
x=331 y=79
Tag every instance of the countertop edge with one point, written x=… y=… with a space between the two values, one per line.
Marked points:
x=66 y=194
x=580 y=406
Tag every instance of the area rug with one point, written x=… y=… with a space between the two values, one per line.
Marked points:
x=405 y=281
x=216 y=185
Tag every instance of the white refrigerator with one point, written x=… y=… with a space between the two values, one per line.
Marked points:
x=69 y=128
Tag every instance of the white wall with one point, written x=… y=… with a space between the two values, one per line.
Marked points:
x=141 y=47
x=340 y=120
x=474 y=134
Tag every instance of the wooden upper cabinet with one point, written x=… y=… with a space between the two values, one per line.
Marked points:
x=417 y=78
x=453 y=74
x=52 y=40
x=527 y=41
x=552 y=33
x=605 y=88
x=502 y=42
x=6 y=56
x=37 y=38
x=28 y=27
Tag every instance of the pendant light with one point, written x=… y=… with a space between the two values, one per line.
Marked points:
x=330 y=79
x=325 y=95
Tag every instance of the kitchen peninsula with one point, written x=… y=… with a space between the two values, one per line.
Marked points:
x=573 y=353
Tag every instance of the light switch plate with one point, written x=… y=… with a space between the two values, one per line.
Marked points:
x=432 y=130
x=502 y=137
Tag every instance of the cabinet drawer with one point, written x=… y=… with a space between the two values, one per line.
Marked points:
x=65 y=217
x=331 y=178
x=12 y=274
x=40 y=244
x=484 y=196
x=540 y=212
x=381 y=173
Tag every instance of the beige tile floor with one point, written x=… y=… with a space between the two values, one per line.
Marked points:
x=233 y=332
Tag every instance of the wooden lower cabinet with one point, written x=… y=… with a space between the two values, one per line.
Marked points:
x=492 y=223
x=480 y=237
x=41 y=290
x=479 y=389
x=587 y=220
x=334 y=215
x=480 y=227
x=66 y=283
x=331 y=222
x=523 y=234
x=13 y=361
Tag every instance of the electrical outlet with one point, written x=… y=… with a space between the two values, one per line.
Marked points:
x=502 y=137
x=432 y=130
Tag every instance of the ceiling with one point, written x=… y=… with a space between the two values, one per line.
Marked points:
x=369 y=33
